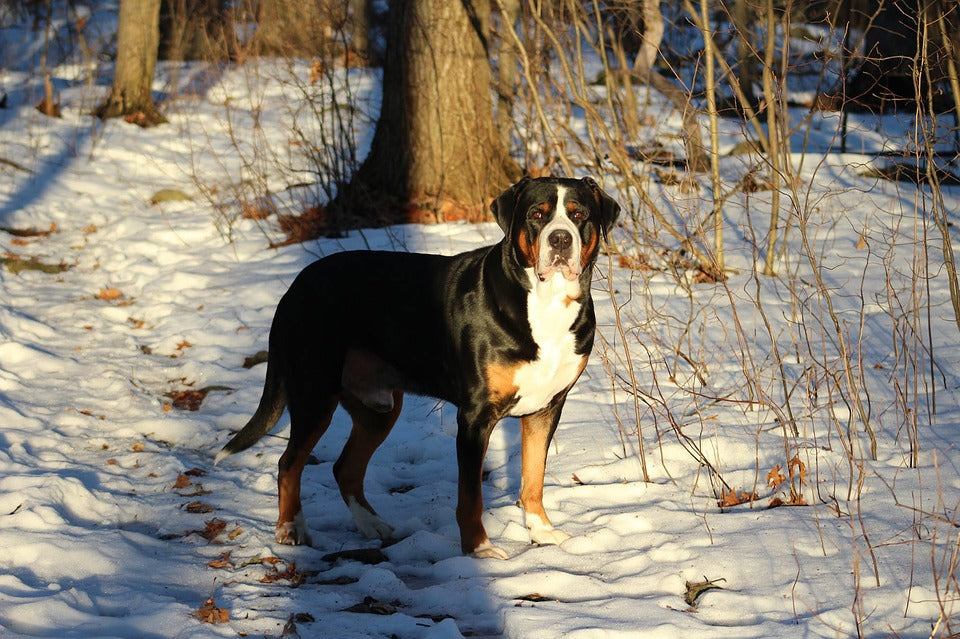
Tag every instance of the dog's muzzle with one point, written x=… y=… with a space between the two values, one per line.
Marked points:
x=559 y=252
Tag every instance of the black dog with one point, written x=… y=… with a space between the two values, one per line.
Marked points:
x=502 y=330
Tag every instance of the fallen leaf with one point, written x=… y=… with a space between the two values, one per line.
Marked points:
x=730 y=498
x=208 y=612
x=210 y=531
x=108 y=294
x=187 y=399
x=535 y=597
x=182 y=481
x=223 y=561
x=694 y=589
x=289 y=574
x=199 y=508
x=17 y=265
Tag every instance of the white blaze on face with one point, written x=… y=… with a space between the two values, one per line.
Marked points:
x=550 y=259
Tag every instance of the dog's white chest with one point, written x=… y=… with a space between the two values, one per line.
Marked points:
x=552 y=308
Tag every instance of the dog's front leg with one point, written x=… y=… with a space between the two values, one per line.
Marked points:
x=536 y=431
x=472 y=438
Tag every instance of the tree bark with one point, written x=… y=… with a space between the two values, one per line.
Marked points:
x=436 y=154
x=138 y=38
x=506 y=73
x=292 y=28
x=651 y=37
x=361 y=22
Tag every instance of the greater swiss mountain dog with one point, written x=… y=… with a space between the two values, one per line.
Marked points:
x=503 y=330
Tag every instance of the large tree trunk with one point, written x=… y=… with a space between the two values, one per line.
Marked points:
x=436 y=154
x=138 y=38
x=294 y=28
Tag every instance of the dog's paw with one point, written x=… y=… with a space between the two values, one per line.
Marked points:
x=543 y=533
x=369 y=523
x=486 y=550
x=294 y=533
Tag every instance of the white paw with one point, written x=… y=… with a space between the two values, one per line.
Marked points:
x=486 y=550
x=294 y=533
x=543 y=533
x=369 y=524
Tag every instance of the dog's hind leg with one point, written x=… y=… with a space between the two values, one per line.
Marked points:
x=370 y=428
x=309 y=419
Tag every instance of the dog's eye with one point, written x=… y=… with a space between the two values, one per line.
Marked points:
x=536 y=213
x=578 y=215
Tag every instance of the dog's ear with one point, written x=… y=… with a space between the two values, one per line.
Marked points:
x=609 y=208
x=504 y=204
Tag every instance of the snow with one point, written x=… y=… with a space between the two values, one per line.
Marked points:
x=100 y=477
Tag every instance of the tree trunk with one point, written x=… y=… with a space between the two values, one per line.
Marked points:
x=138 y=38
x=651 y=37
x=436 y=154
x=506 y=73
x=361 y=22
x=743 y=14
x=293 y=28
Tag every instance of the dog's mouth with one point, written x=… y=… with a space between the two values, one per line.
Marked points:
x=569 y=268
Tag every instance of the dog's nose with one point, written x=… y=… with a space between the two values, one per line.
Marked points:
x=560 y=240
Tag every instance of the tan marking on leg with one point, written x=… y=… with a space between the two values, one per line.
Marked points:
x=370 y=429
x=501 y=385
x=535 y=431
x=291 y=466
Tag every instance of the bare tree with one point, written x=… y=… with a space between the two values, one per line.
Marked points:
x=138 y=38
x=436 y=154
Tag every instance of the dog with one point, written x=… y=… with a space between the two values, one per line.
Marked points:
x=499 y=331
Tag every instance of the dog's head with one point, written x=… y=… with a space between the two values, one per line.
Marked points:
x=553 y=225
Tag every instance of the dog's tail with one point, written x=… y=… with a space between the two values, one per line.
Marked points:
x=272 y=402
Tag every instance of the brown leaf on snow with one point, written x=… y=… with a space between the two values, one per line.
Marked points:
x=182 y=481
x=730 y=498
x=223 y=561
x=775 y=477
x=188 y=399
x=210 y=531
x=198 y=507
x=797 y=470
x=108 y=294
x=289 y=574
x=208 y=612
x=30 y=232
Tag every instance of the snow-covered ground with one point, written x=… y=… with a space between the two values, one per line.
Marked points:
x=114 y=522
